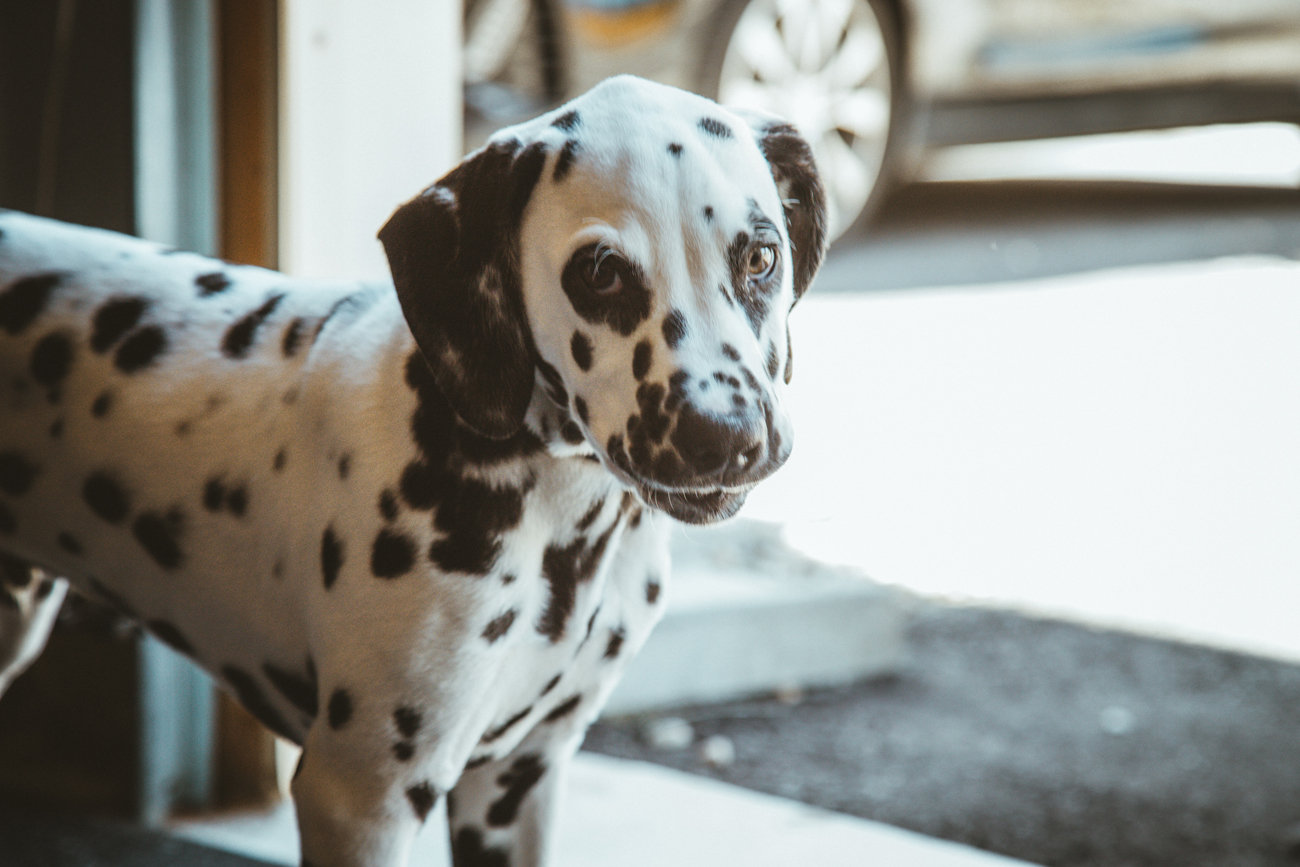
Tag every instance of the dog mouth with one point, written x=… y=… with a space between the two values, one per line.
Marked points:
x=695 y=506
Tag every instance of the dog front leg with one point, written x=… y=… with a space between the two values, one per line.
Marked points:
x=352 y=815
x=504 y=812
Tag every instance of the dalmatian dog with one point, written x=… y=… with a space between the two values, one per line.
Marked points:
x=417 y=528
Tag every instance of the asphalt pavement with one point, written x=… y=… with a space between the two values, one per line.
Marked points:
x=1042 y=740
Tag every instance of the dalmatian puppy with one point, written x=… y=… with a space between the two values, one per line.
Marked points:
x=417 y=528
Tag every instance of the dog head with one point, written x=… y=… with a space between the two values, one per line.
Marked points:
x=637 y=251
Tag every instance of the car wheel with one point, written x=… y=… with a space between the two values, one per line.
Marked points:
x=832 y=68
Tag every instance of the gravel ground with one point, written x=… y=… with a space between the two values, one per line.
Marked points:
x=1039 y=739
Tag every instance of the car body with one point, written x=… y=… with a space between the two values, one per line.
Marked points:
x=937 y=72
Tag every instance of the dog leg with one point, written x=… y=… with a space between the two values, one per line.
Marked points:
x=505 y=811
x=350 y=815
x=29 y=602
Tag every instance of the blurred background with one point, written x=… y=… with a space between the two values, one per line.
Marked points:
x=1047 y=398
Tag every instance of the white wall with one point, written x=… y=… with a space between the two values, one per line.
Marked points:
x=370 y=115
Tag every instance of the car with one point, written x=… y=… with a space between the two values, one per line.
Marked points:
x=874 y=84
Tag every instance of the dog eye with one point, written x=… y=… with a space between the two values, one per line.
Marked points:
x=600 y=273
x=762 y=262
x=602 y=278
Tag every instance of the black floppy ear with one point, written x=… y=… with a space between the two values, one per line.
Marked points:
x=454 y=254
x=795 y=173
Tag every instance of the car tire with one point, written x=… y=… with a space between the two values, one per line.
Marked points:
x=843 y=88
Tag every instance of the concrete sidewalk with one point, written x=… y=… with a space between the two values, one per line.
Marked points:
x=639 y=815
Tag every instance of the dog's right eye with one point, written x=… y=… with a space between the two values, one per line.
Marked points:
x=601 y=277
x=599 y=270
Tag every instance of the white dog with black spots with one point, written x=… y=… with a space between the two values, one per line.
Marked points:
x=417 y=528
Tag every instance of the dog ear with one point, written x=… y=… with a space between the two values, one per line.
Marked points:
x=454 y=254
x=795 y=173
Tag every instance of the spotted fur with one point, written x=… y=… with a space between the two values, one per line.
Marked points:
x=418 y=529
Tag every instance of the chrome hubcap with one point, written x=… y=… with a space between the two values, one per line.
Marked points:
x=821 y=64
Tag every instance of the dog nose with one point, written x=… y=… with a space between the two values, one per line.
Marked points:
x=714 y=445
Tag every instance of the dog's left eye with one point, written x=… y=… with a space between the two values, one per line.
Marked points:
x=762 y=262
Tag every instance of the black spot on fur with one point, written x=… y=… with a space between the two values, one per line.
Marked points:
x=393 y=554
x=589 y=517
x=506 y=726
x=652 y=588
x=563 y=709
x=331 y=557
x=388 y=505
x=339 y=710
x=477 y=762
x=299 y=689
x=674 y=328
x=564 y=161
x=105 y=497
x=44 y=589
x=407 y=720
x=16 y=473
x=403 y=751
x=347 y=305
x=467 y=850
x=519 y=781
x=472 y=515
x=50 y=362
x=731 y=352
x=214 y=494
x=157 y=535
x=571 y=432
x=56 y=428
x=552 y=684
x=567 y=121
x=140 y=349
x=237 y=501
x=102 y=404
x=292 y=337
x=345 y=465
x=113 y=320
x=169 y=635
x=708 y=213
x=22 y=302
x=564 y=568
x=617 y=636
x=69 y=543
x=277 y=463
x=507 y=577
x=255 y=702
x=211 y=284
x=581 y=347
x=675 y=149
x=239 y=337
x=641 y=359
x=554 y=383
x=773 y=361
x=499 y=626
x=715 y=127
